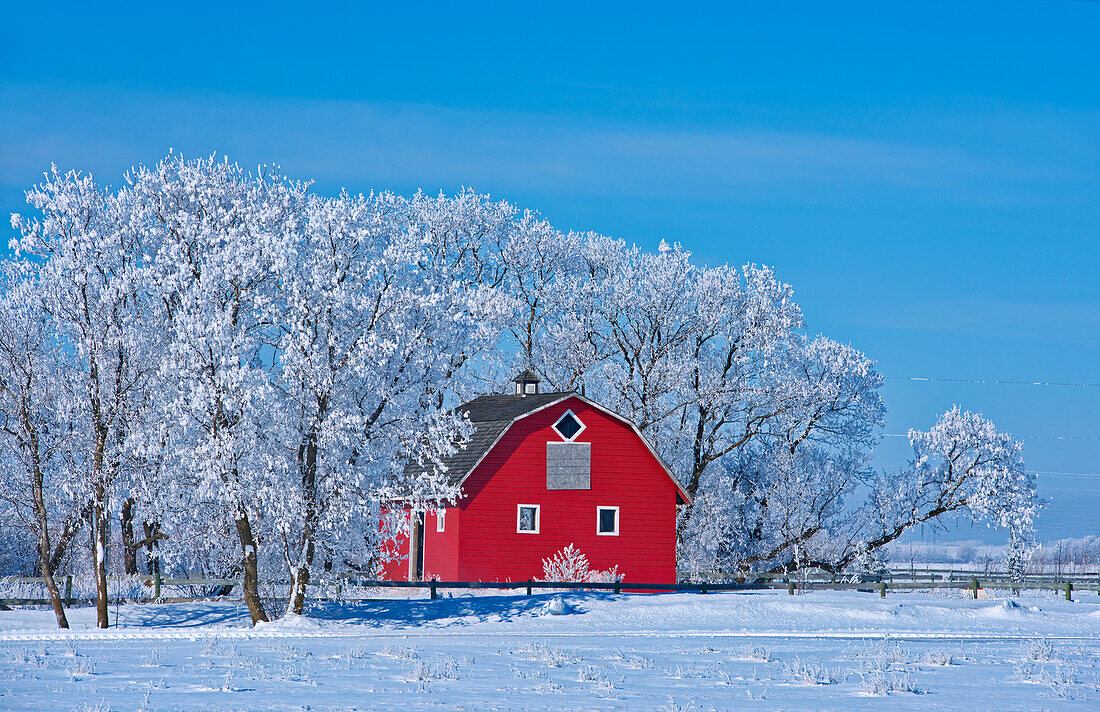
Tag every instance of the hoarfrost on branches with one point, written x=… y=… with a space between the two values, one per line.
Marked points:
x=570 y=565
x=243 y=370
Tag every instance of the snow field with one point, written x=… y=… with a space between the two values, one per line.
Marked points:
x=670 y=652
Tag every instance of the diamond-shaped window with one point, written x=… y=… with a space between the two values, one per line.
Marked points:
x=568 y=426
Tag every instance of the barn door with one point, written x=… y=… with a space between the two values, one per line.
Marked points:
x=416 y=553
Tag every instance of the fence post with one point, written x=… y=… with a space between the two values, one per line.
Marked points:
x=974 y=585
x=1069 y=591
x=156 y=585
x=528 y=587
x=432 y=585
x=69 y=590
x=618 y=585
x=790 y=588
x=882 y=589
x=703 y=588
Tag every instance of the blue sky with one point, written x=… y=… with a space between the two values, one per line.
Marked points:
x=925 y=175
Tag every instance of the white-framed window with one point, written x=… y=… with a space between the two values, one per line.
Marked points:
x=440 y=519
x=530 y=387
x=607 y=521
x=569 y=426
x=527 y=519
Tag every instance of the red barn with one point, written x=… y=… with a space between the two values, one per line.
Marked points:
x=543 y=471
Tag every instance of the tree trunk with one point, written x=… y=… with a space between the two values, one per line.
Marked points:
x=68 y=533
x=129 y=549
x=301 y=580
x=697 y=466
x=251 y=582
x=55 y=595
x=99 y=545
x=152 y=545
x=307 y=465
x=42 y=531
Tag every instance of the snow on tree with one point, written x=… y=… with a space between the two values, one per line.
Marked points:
x=35 y=474
x=232 y=356
x=379 y=317
x=223 y=237
x=90 y=269
x=964 y=466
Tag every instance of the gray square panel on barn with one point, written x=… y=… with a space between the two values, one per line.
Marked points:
x=568 y=466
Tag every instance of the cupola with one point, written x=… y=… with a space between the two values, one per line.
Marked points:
x=527 y=383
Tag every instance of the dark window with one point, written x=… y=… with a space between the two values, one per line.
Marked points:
x=609 y=520
x=528 y=518
x=568 y=426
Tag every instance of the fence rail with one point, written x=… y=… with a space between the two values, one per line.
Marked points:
x=953 y=580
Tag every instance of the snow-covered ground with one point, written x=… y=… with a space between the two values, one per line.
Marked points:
x=756 y=651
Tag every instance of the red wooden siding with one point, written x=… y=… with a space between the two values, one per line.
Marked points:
x=440 y=553
x=394 y=564
x=624 y=475
x=441 y=549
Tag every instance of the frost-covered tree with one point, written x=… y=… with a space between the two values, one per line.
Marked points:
x=800 y=480
x=222 y=239
x=380 y=313
x=35 y=474
x=229 y=354
x=711 y=363
x=962 y=466
x=770 y=430
x=90 y=266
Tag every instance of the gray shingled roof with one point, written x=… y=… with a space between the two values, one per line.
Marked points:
x=490 y=416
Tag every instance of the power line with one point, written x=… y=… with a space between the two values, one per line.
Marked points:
x=993 y=382
x=1067 y=474
x=1020 y=437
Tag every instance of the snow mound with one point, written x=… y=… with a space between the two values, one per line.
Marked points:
x=556 y=606
x=1004 y=608
x=291 y=621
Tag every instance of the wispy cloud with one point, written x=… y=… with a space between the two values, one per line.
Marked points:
x=364 y=144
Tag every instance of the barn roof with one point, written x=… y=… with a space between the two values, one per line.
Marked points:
x=491 y=417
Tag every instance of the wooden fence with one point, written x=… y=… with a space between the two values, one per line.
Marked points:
x=972 y=581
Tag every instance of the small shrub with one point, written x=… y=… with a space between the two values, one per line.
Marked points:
x=939 y=657
x=1062 y=681
x=809 y=673
x=552 y=657
x=152 y=658
x=636 y=662
x=1040 y=650
x=549 y=688
x=755 y=652
x=525 y=673
x=589 y=674
x=401 y=653
x=1024 y=670
x=444 y=668
x=879 y=683
x=571 y=565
